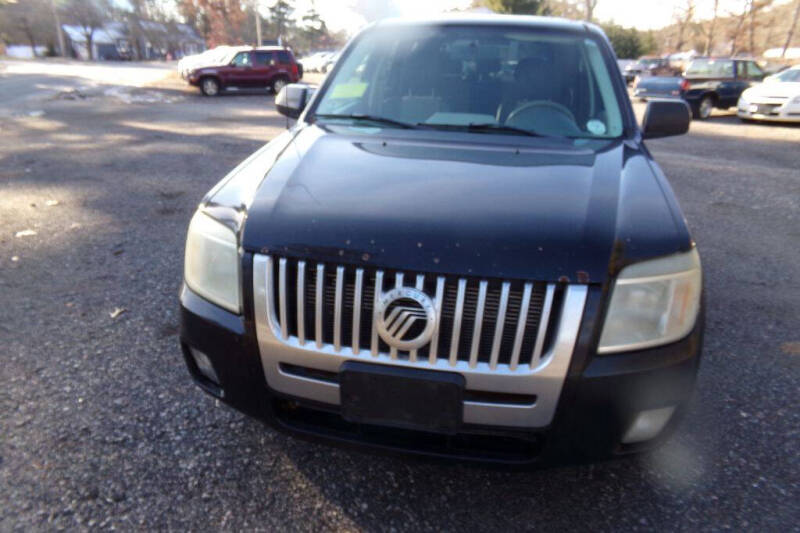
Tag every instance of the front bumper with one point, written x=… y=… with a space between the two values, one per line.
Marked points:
x=769 y=110
x=598 y=402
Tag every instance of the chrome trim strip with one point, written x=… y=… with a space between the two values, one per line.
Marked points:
x=318 y=300
x=544 y=320
x=269 y=274
x=499 y=325
x=398 y=282
x=375 y=299
x=521 y=323
x=459 y=312
x=357 y=309
x=301 y=302
x=337 y=310
x=419 y=285
x=282 y=298
x=545 y=380
x=477 y=327
x=438 y=302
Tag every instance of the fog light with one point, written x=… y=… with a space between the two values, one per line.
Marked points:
x=204 y=365
x=648 y=424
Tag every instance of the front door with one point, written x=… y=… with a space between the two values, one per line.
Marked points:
x=240 y=72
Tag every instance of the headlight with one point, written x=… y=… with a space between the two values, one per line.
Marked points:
x=211 y=266
x=654 y=302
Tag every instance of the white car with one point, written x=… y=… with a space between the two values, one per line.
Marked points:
x=314 y=62
x=778 y=98
x=215 y=56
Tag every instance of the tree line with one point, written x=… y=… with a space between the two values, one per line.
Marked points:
x=755 y=26
x=38 y=23
x=751 y=28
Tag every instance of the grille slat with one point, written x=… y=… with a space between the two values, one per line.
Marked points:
x=499 y=325
x=357 y=310
x=487 y=321
x=337 y=311
x=478 y=323
x=301 y=302
x=548 y=305
x=318 y=304
x=523 y=318
x=458 y=316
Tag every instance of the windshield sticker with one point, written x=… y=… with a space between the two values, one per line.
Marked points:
x=596 y=127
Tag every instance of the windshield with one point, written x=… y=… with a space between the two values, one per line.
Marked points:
x=711 y=67
x=789 y=76
x=476 y=79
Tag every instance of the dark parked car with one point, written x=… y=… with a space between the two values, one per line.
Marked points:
x=462 y=248
x=647 y=66
x=706 y=84
x=265 y=67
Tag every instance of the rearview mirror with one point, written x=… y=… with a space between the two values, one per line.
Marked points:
x=293 y=98
x=664 y=118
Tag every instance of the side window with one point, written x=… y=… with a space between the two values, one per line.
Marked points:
x=284 y=58
x=263 y=59
x=754 y=72
x=242 y=59
x=726 y=69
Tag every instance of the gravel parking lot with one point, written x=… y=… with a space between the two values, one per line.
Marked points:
x=101 y=427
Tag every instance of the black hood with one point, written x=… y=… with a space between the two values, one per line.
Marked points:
x=547 y=211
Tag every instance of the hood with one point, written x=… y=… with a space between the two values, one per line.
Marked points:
x=545 y=211
x=775 y=90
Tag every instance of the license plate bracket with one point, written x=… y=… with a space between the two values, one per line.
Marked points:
x=401 y=397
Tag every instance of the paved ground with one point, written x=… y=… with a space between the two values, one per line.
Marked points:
x=100 y=425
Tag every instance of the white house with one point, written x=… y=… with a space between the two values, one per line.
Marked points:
x=116 y=41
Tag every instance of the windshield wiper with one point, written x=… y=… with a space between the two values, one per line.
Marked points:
x=367 y=118
x=482 y=128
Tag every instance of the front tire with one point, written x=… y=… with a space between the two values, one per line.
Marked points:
x=703 y=110
x=278 y=84
x=209 y=87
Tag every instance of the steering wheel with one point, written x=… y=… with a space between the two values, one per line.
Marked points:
x=526 y=112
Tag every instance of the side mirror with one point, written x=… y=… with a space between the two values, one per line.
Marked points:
x=664 y=118
x=293 y=98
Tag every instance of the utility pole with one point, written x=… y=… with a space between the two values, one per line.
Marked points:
x=258 y=23
x=791 y=29
x=61 y=48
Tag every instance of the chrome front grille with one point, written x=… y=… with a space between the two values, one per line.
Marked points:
x=497 y=323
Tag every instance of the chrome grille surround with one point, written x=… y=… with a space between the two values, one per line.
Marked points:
x=540 y=373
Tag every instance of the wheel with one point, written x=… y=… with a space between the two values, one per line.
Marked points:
x=704 y=108
x=278 y=84
x=209 y=87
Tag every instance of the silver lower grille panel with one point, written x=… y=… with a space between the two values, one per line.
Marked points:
x=503 y=336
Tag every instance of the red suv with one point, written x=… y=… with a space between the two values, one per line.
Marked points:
x=264 y=67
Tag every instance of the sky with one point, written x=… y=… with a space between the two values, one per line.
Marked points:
x=351 y=15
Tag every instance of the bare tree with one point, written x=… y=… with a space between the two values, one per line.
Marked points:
x=89 y=15
x=684 y=20
x=59 y=31
x=792 y=28
x=26 y=20
x=707 y=49
x=590 y=5
x=739 y=24
x=756 y=6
